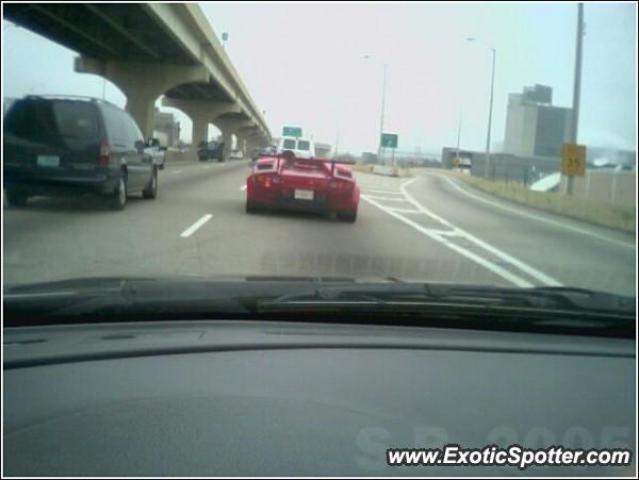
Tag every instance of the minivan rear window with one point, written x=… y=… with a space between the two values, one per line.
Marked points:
x=289 y=144
x=68 y=119
x=303 y=145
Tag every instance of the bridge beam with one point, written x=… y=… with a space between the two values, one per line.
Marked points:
x=142 y=83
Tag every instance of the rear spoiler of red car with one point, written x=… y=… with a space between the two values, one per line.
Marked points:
x=318 y=159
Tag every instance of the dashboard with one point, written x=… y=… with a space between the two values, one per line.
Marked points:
x=219 y=398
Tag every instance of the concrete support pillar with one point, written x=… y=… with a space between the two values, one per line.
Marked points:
x=142 y=83
x=227 y=138
x=200 y=131
x=202 y=113
x=248 y=138
x=229 y=127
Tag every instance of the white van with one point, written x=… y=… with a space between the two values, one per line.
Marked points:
x=301 y=147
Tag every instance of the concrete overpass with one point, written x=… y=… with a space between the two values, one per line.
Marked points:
x=149 y=50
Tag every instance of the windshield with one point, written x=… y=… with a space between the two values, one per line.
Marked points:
x=477 y=144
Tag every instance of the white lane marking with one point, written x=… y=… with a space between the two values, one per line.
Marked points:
x=536 y=217
x=387 y=199
x=404 y=210
x=243 y=187
x=533 y=272
x=206 y=167
x=191 y=230
x=379 y=190
x=520 y=282
x=177 y=171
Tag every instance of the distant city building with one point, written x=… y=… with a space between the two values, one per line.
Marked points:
x=166 y=128
x=534 y=127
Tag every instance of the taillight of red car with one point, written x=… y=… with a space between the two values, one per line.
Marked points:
x=265 y=175
x=104 y=157
x=340 y=185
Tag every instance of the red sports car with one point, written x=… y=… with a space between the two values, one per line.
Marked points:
x=315 y=184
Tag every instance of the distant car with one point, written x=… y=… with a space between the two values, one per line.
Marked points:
x=157 y=151
x=287 y=182
x=258 y=153
x=62 y=145
x=211 y=151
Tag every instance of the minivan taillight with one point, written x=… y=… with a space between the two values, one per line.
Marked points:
x=105 y=153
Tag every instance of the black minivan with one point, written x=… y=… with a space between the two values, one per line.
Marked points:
x=63 y=145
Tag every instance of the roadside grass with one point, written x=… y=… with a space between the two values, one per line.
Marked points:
x=595 y=212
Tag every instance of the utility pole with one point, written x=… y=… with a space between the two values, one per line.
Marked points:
x=576 y=91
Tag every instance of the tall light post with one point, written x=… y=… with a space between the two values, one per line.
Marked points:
x=459 y=127
x=490 y=106
x=381 y=120
x=576 y=91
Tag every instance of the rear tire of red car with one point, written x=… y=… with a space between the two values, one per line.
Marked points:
x=251 y=207
x=348 y=216
x=16 y=198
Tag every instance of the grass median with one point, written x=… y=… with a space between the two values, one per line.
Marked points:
x=595 y=212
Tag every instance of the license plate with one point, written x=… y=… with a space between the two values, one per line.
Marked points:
x=303 y=194
x=48 y=161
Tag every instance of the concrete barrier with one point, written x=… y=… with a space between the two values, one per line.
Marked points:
x=173 y=156
x=391 y=171
x=615 y=187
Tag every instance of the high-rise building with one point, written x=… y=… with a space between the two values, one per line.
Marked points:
x=534 y=127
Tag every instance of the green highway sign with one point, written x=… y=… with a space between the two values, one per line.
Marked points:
x=389 y=140
x=292 y=132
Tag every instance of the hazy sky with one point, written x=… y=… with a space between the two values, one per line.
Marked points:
x=304 y=65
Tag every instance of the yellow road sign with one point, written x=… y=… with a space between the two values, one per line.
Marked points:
x=573 y=160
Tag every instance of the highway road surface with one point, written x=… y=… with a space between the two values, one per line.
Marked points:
x=428 y=227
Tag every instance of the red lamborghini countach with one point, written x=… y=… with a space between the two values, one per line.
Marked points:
x=308 y=184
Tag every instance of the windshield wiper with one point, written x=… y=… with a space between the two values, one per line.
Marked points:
x=424 y=294
x=556 y=310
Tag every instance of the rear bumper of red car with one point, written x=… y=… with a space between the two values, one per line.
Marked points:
x=284 y=199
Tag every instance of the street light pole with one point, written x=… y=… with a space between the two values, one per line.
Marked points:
x=490 y=105
x=383 y=109
x=576 y=91
x=459 y=127
x=381 y=121
x=490 y=113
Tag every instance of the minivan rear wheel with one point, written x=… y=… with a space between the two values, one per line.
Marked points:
x=16 y=198
x=117 y=201
x=151 y=190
